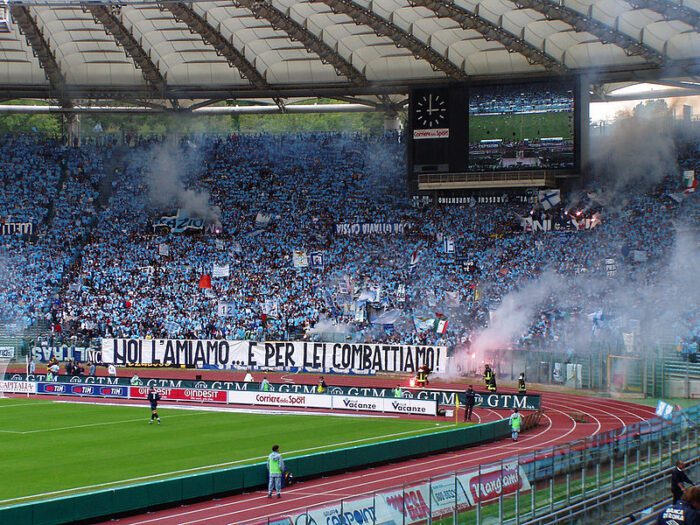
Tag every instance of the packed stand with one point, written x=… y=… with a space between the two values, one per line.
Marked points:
x=274 y=260
x=50 y=187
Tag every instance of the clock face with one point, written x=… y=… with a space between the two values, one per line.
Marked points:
x=431 y=110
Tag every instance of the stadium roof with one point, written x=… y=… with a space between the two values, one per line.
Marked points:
x=138 y=50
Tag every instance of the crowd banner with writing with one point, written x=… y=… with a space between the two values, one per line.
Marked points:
x=528 y=224
x=337 y=357
x=473 y=200
x=7 y=352
x=370 y=228
x=180 y=222
x=16 y=228
x=224 y=309
x=44 y=354
x=221 y=270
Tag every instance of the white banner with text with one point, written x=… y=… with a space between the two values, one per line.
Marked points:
x=338 y=357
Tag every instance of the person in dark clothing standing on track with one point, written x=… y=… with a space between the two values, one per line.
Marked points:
x=685 y=512
x=522 y=389
x=153 y=398
x=469 y=401
x=678 y=477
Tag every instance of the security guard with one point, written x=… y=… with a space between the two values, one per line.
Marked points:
x=488 y=374
x=685 y=512
x=490 y=379
x=492 y=386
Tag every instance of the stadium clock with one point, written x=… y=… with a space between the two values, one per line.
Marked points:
x=430 y=110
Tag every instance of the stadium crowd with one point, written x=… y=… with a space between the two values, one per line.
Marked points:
x=50 y=187
x=273 y=263
x=521 y=98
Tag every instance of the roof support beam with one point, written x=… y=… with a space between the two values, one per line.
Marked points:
x=310 y=41
x=213 y=110
x=468 y=20
x=47 y=60
x=605 y=33
x=109 y=18
x=213 y=37
x=670 y=11
x=401 y=38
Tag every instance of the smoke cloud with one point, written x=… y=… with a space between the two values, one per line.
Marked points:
x=170 y=167
x=515 y=313
x=639 y=153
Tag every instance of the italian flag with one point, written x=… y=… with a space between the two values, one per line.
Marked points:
x=441 y=325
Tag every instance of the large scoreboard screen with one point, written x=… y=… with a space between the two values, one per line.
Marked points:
x=476 y=128
x=521 y=126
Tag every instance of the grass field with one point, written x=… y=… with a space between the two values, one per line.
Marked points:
x=53 y=448
x=518 y=127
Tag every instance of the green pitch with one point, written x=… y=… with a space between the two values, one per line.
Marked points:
x=52 y=449
x=518 y=127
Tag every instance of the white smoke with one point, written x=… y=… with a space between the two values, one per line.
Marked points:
x=639 y=153
x=166 y=176
x=327 y=329
x=515 y=314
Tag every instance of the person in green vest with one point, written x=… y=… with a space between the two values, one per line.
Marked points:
x=515 y=421
x=265 y=385
x=275 y=471
x=397 y=391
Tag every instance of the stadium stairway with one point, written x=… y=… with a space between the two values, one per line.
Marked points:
x=673 y=376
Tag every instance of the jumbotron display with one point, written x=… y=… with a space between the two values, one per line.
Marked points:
x=522 y=126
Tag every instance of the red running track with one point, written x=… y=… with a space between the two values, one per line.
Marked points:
x=556 y=427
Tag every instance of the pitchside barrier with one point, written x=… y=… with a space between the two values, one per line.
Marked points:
x=204 y=391
x=532 y=488
x=147 y=496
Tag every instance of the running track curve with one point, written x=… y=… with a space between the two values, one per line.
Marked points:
x=557 y=427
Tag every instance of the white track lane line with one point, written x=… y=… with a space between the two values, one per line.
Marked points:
x=326 y=487
x=462 y=460
x=335 y=492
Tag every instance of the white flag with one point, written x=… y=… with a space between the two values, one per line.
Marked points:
x=225 y=309
x=262 y=220
x=271 y=308
x=300 y=259
x=221 y=271
x=550 y=198
x=164 y=249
